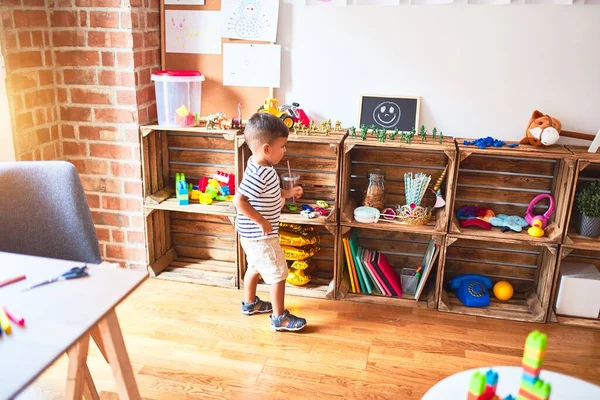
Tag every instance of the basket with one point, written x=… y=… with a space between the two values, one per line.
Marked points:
x=415 y=215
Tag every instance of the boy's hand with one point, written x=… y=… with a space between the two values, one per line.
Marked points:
x=265 y=226
x=295 y=192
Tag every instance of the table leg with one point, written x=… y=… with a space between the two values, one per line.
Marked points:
x=78 y=376
x=118 y=359
x=89 y=389
x=95 y=332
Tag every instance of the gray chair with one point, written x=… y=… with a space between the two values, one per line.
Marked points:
x=44 y=212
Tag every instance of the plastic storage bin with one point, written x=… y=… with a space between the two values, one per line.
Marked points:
x=178 y=97
x=409 y=281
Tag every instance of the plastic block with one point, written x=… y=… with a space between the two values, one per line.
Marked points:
x=530 y=379
x=477 y=384
x=536 y=340
x=491 y=377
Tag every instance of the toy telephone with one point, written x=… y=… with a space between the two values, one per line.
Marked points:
x=472 y=290
x=535 y=220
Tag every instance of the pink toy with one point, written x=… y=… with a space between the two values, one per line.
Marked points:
x=543 y=219
x=202 y=184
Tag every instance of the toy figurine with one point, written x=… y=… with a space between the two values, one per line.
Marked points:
x=433 y=133
x=214 y=120
x=364 y=130
x=312 y=127
x=441 y=137
x=236 y=122
x=352 y=131
x=338 y=126
x=394 y=134
x=423 y=133
x=373 y=128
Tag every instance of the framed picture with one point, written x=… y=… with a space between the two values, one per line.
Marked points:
x=390 y=112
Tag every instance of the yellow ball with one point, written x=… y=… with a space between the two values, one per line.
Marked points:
x=503 y=290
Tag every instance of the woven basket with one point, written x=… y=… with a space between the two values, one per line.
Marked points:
x=414 y=216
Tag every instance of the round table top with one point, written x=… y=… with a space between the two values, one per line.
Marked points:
x=563 y=386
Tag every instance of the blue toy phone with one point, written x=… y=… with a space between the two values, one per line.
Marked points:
x=472 y=289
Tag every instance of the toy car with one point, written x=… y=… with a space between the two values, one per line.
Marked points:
x=320 y=210
x=308 y=214
x=271 y=106
x=292 y=207
x=297 y=114
x=306 y=207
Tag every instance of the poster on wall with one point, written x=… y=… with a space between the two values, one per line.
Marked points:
x=390 y=112
x=195 y=32
x=184 y=2
x=325 y=2
x=256 y=65
x=250 y=19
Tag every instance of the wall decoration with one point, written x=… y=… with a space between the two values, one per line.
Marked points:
x=192 y=32
x=250 y=19
x=390 y=112
x=255 y=65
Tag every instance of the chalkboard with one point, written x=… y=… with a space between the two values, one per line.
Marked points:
x=390 y=112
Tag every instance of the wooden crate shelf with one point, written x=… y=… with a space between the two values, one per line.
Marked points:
x=403 y=250
x=317 y=158
x=322 y=269
x=506 y=180
x=194 y=243
x=578 y=255
x=395 y=158
x=588 y=170
x=529 y=268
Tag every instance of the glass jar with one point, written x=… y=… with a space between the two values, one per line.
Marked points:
x=374 y=195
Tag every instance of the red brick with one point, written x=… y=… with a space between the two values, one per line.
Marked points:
x=67 y=131
x=24 y=59
x=114 y=115
x=83 y=16
x=6 y=18
x=127 y=78
x=125 y=60
x=11 y=40
x=138 y=40
x=136 y=3
x=37 y=39
x=102 y=233
x=133 y=188
x=62 y=95
x=49 y=153
x=106 y=133
x=153 y=4
x=143 y=77
x=136 y=221
x=75 y=113
x=118 y=236
x=153 y=19
x=102 y=185
x=126 y=19
x=25 y=157
x=142 y=115
x=72 y=38
x=39 y=116
x=43 y=135
x=110 y=151
x=126 y=97
x=39 y=98
x=136 y=237
x=79 y=76
x=24 y=121
x=110 y=39
x=109 y=78
x=108 y=59
x=152 y=113
x=34 y=3
x=74 y=149
x=122 y=204
x=11 y=3
x=98 y=3
x=88 y=96
x=132 y=136
x=17 y=100
x=24 y=39
x=64 y=19
x=146 y=95
x=109 y=219
x=54 y=133
x=22 y=81
x=123 y=170
x=151 y=39
x=125 y=253
x=46 y=77
x=77 y=58
x=91 y=167
x=48 y=58
x=30 y=18
x=104 y=19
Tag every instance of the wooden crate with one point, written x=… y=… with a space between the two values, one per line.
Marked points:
x=571 y=254
x=193 y=243
x=395 y=158
x=322 y=269
x=507 y=179
x=588 y=170
x=403 y=250
x=317 y=158
x=528 y=266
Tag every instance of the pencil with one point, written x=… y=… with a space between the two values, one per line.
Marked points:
x=12 y=280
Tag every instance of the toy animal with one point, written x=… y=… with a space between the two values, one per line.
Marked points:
x=214 y=120
x=236 y=122
x=513 y=223
x=542 y=130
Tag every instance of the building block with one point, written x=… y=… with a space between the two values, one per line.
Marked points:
x=509 y=397
x=538 y=391
x=227 y=179
x=202 y=184
x=531 y=379
x=181 y=189
x=224 y=190
x=205 y=198
x=536 y=340
x=533 y=363
x=214 y=183
x=491 y=378
x=195 y=194
x=212 y=192
x=531 y=371
x=477 y=385
x=533 y=353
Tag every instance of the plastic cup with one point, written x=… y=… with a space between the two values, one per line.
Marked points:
x=289 y=181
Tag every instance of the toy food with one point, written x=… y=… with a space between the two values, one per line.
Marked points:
x=503 y=290
x=543 y=130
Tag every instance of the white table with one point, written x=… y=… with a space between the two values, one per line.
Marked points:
x=59 y=318
x=509 y=378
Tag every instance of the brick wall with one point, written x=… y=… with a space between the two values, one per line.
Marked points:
x=103 y=54
x=26 y=45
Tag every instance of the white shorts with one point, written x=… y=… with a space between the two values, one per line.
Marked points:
x=265 y=257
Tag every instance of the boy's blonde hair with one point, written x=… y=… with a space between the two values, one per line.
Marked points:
x=264 y=128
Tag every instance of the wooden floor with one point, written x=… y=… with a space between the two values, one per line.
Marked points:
x=187 y=341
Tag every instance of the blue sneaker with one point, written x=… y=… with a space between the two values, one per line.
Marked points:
x=258 y=306
x=287 y=322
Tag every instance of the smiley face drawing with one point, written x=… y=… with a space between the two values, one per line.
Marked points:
x=387 y=114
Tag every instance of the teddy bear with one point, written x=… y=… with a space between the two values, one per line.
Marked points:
x=543 y=130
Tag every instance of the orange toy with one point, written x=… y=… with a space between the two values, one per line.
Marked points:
x=543 y=130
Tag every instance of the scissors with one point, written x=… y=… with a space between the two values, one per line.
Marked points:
x=73 y=273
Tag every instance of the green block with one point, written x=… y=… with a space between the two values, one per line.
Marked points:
x=533 y=363
x=477 y=385
x=537 y=340
x=539 y=388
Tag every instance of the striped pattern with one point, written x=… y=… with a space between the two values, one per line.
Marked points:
x=261 y=186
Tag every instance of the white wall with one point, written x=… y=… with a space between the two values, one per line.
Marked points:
x=480 y=70
x=7 y=150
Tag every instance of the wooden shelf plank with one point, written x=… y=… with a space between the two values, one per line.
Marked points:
x=229 y=134
x=294 y=217
x=416 y=144
x=578 y=241
x=575 y=321
x=204 y=272
x=523 y=150
x=514 y=309
x=225 y=208
x=404 y=301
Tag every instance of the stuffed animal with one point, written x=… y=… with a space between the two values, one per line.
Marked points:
x=543 y=130
x=513 y=222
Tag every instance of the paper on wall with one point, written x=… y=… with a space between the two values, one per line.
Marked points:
x=255 y=65
x=193 y=32
x=250 y=19
x=185 y=2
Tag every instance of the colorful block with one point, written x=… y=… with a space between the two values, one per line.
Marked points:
x=530 y=370
x=536 y=340
x=531 y=379
x=181 y=189
x=195 y=195
x=540 y=390
x=224 y=190
x=205 y=198
x=202 y=184
x=214 y=183
x=532 y=363
x=491 y=378
x=477 y=385
x=212 y=192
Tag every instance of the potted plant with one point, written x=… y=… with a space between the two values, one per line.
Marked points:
x=588 y=204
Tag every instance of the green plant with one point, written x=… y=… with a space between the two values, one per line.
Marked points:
x=588 y=200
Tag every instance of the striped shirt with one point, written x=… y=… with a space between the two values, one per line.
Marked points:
x=261 y=186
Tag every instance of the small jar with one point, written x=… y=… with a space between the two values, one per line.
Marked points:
x=374 y=195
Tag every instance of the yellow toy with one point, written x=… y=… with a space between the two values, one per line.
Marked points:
x=294 y=239
x=214 y=183
x=503 y=290
x=182 y=112
x=297 y=277
x=536 y=229
x=293 y=253
x=300 y=229
x=195 y=195
x=271 y=106
x=205 y=198
x=298 y=264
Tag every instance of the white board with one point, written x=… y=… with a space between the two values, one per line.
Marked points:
x=256 y=65
x=250 y=19
x=195 y=32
